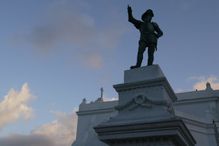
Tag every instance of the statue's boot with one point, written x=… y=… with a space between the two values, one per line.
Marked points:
x=138 y=64
x=134 y=66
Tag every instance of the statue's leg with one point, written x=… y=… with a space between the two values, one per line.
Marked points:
x=141 y=49
x=151 y=50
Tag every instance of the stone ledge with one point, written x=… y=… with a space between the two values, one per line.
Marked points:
x=174 y=128
x=143 y=73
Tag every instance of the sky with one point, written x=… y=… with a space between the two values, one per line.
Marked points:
x=54 y=53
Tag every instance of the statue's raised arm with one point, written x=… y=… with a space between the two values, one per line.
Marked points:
x=131 y=19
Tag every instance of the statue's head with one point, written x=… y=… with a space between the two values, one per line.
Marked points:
x=147 y=14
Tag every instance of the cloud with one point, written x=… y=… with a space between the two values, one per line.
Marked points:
x=93 y=60
x=71 y=23
x=202 y=80
x=26 y=140
x=60 y=132
x=64 y=24
x=15 y=106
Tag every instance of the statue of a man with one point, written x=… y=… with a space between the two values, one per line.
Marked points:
x=149 y=34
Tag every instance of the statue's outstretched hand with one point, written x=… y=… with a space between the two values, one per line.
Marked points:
x=129 y=9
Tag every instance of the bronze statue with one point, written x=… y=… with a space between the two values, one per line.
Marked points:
x=149 y=34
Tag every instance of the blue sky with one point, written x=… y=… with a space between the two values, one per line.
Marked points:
x=54 y=53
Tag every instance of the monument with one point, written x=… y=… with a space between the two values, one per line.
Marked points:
x=148 y=112
x=145 y=109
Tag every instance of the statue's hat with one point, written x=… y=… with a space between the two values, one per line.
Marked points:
x=148 y=12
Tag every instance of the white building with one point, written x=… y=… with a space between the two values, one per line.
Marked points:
x=199 y=110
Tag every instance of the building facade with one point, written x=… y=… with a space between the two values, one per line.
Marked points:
x=199 y=110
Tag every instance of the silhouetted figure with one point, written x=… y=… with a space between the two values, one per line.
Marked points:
x=149 y=34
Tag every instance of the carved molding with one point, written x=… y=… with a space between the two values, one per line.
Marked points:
x=143 y=101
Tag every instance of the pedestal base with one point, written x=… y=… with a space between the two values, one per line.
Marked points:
x=145 y=113
x=163 y=133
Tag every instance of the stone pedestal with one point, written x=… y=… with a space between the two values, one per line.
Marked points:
x=145 y=113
